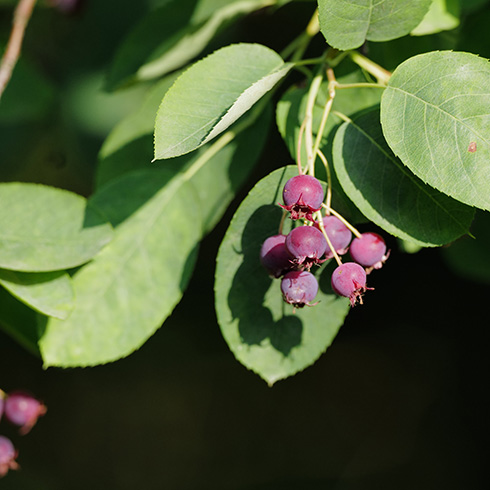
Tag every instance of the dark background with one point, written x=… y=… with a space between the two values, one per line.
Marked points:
x=397 y=402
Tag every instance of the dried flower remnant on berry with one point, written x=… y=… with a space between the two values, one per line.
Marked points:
x=303 y=196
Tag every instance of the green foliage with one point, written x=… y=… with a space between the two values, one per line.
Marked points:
x=387 y=193
x=261 y=330
x=347 y=24
x=87 y=280
x=219 y=89
x=46 y=229
x=435 y=114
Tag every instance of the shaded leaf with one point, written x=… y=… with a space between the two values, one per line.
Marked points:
x=172 y=35
x=435 y=115
x=49 y=293
x=258 y=326
x=388 y=193
x=346 y=24
x=212 y=94
x=19 y=322
x=43 y=228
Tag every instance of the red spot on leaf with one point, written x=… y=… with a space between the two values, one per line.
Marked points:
x=472 y=147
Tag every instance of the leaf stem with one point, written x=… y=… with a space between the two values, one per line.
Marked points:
x=341 y=86
x=297 y=46
x=378 y=72
x=22 y=15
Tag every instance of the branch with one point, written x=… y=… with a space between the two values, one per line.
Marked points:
x=22 y=15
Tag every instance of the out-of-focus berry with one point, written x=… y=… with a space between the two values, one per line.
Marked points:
x=23 y=410
x=8 y=454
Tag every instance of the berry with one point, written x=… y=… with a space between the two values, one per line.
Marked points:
x=306 y=245
x=303 y=196
x=338 y=234
x=7 y=456
x=274 y=256
x=23 y=410
x=369 y=250
x=349 y=280
x=299 y=288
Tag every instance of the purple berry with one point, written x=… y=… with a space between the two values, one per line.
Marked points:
x=303 y=196
x=349 y=280
x=338 y=234
x=23 y=410
x=306 y=245
x=274 y=256
x=369 y=250
x=299 y=288
x=8 y=454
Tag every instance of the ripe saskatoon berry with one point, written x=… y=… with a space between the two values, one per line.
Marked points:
x=7 y=456
x=349 y=280
x=369 y=250
x=338 y=234
x=306 y=245
x=23 y=410
x=274 y=256
x=303 y=196
x=299 y=288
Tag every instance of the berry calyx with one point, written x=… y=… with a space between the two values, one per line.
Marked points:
x=23 y=410
x=274 y=257
x=306 y=245
x=369 y=250
x=299 y=288
x=337 y=233
x=349 y=280
x=303 y=196
x=8 y=453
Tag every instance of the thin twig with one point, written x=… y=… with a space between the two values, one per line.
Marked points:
x=22 y=15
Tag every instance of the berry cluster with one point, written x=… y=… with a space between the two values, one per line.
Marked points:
x=20 y=409
x=318 y=239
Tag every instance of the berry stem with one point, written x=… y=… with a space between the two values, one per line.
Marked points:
x=341 y=86
x=281 y=224
x=328 y=198
x=319 y=218
x=298 y=147
x=381 y=74
x=341 y=218
x=297 y=46
x=308 y=120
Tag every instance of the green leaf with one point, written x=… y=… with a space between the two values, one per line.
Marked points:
x=172 y=35
x=43 y=228
x=19 y=322
x=468 y=257
x=388 y=193
x=443 y=15
x=212 y=94
x=435 y=115
x=50 y=293
x=258 y=326
x=127 y=291
x=346 y=24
